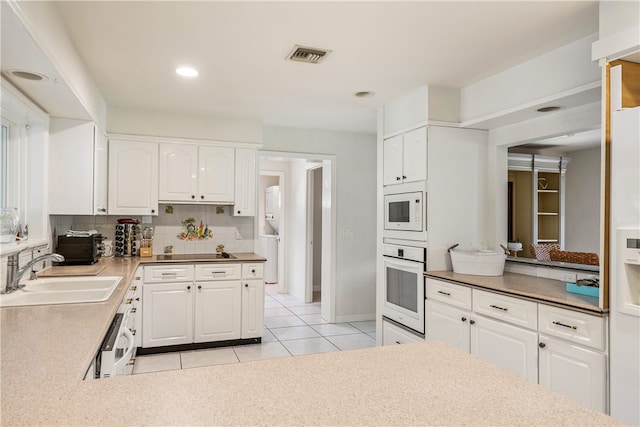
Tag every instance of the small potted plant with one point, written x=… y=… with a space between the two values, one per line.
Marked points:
x=514 y=246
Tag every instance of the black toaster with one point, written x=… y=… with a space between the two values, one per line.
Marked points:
x=79 y=250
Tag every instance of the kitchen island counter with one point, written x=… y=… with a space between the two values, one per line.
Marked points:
x=45 y=351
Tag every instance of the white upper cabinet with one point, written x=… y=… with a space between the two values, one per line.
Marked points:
x=77 y=168
x=216 y=174
x=196 y=173
x=178 y=177
x=245 y=182
x=133 y=177
x=405 y=157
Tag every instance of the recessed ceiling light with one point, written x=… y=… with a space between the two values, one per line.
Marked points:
x=365 y=94
x=550 y=108
x=186 y=71
x=28 y=75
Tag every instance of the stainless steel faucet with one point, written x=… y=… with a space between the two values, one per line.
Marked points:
x=14 y=272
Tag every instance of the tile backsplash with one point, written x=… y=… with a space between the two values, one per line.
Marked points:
x=235 y=233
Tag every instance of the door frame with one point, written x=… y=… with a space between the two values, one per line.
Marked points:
x=310 y=237
x=329 y=223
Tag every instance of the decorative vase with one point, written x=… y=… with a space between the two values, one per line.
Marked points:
x=9 y=222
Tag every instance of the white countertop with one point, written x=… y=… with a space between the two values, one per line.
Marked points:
x=45 y=351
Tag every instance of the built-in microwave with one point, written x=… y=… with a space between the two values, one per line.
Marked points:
x=405 y=211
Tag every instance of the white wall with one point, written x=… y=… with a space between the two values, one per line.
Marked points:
x=563 y=69
x=178 y=125
x=582 y=201
x=42 y=20
x=355 y=208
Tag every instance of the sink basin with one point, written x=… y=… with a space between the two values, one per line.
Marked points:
x=62 y=290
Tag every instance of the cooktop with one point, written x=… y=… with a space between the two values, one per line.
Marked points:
x=196 y=257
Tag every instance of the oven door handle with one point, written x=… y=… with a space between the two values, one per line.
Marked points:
x=127 y=354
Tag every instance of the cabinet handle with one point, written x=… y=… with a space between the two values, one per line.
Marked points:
x=193 y=196
x=542 y=345
x=253 y=271
x=473 y=322
x=498 y=307
x=138 y=299
x=566 y=326
x=238 y=212
x=444 y=293
x=188 y=288
x=404 y=177
x=199 y=286
x=202 y=197
x=398 y=342
x=464 y=319
x=397 y=178
x=246 y=285
x=153 y=211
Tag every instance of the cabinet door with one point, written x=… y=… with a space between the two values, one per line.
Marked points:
x=178 y=177
x=392 y=160
x=573 y=371
x=414 y=155
x=217 y=311
x=167 y=314
x=509 y=347
x=71 y=162
x=447 y=324
x=100 y=173
x=252 y=308
x=133 y=178
x=216 y=174
x=245 y=182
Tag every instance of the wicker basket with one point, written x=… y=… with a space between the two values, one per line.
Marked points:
x=586 y=258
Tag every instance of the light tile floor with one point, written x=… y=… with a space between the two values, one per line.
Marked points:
x=292 y=328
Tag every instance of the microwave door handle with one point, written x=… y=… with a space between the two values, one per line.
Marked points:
x=127 y=333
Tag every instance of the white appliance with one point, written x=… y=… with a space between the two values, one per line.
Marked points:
x=405 y=211
x=625 y=271
x=118 y=351
x=404 y=268
x=272 y=206
x=267 y=246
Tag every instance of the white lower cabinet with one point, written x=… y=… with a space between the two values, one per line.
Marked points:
x=217 y=313
x=167 y=314
x=561 y=349
x=510 y=347
x=393 y=335
x=574 y=371
x=252 y=308
x=448 y=324
x=201 y=303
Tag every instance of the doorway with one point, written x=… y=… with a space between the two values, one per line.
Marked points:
x=306 y=246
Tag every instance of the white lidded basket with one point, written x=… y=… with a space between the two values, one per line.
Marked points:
x=478 y=262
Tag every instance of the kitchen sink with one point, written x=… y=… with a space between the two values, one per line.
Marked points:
x=63 y=290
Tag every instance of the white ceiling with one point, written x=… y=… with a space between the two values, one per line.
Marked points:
x=389 y=47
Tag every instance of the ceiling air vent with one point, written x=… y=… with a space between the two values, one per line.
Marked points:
x=311 y=55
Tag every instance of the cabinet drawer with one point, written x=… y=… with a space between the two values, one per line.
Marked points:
x=573 y=326
x=252 y=270
x=513 y=310
x=218 y=271
x=456 y=295
x=392 y=334
x=168 y=273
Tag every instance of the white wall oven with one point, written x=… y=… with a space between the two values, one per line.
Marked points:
x=404 y=268
x=405 y=211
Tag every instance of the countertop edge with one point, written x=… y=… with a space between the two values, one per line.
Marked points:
x=468 y=280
